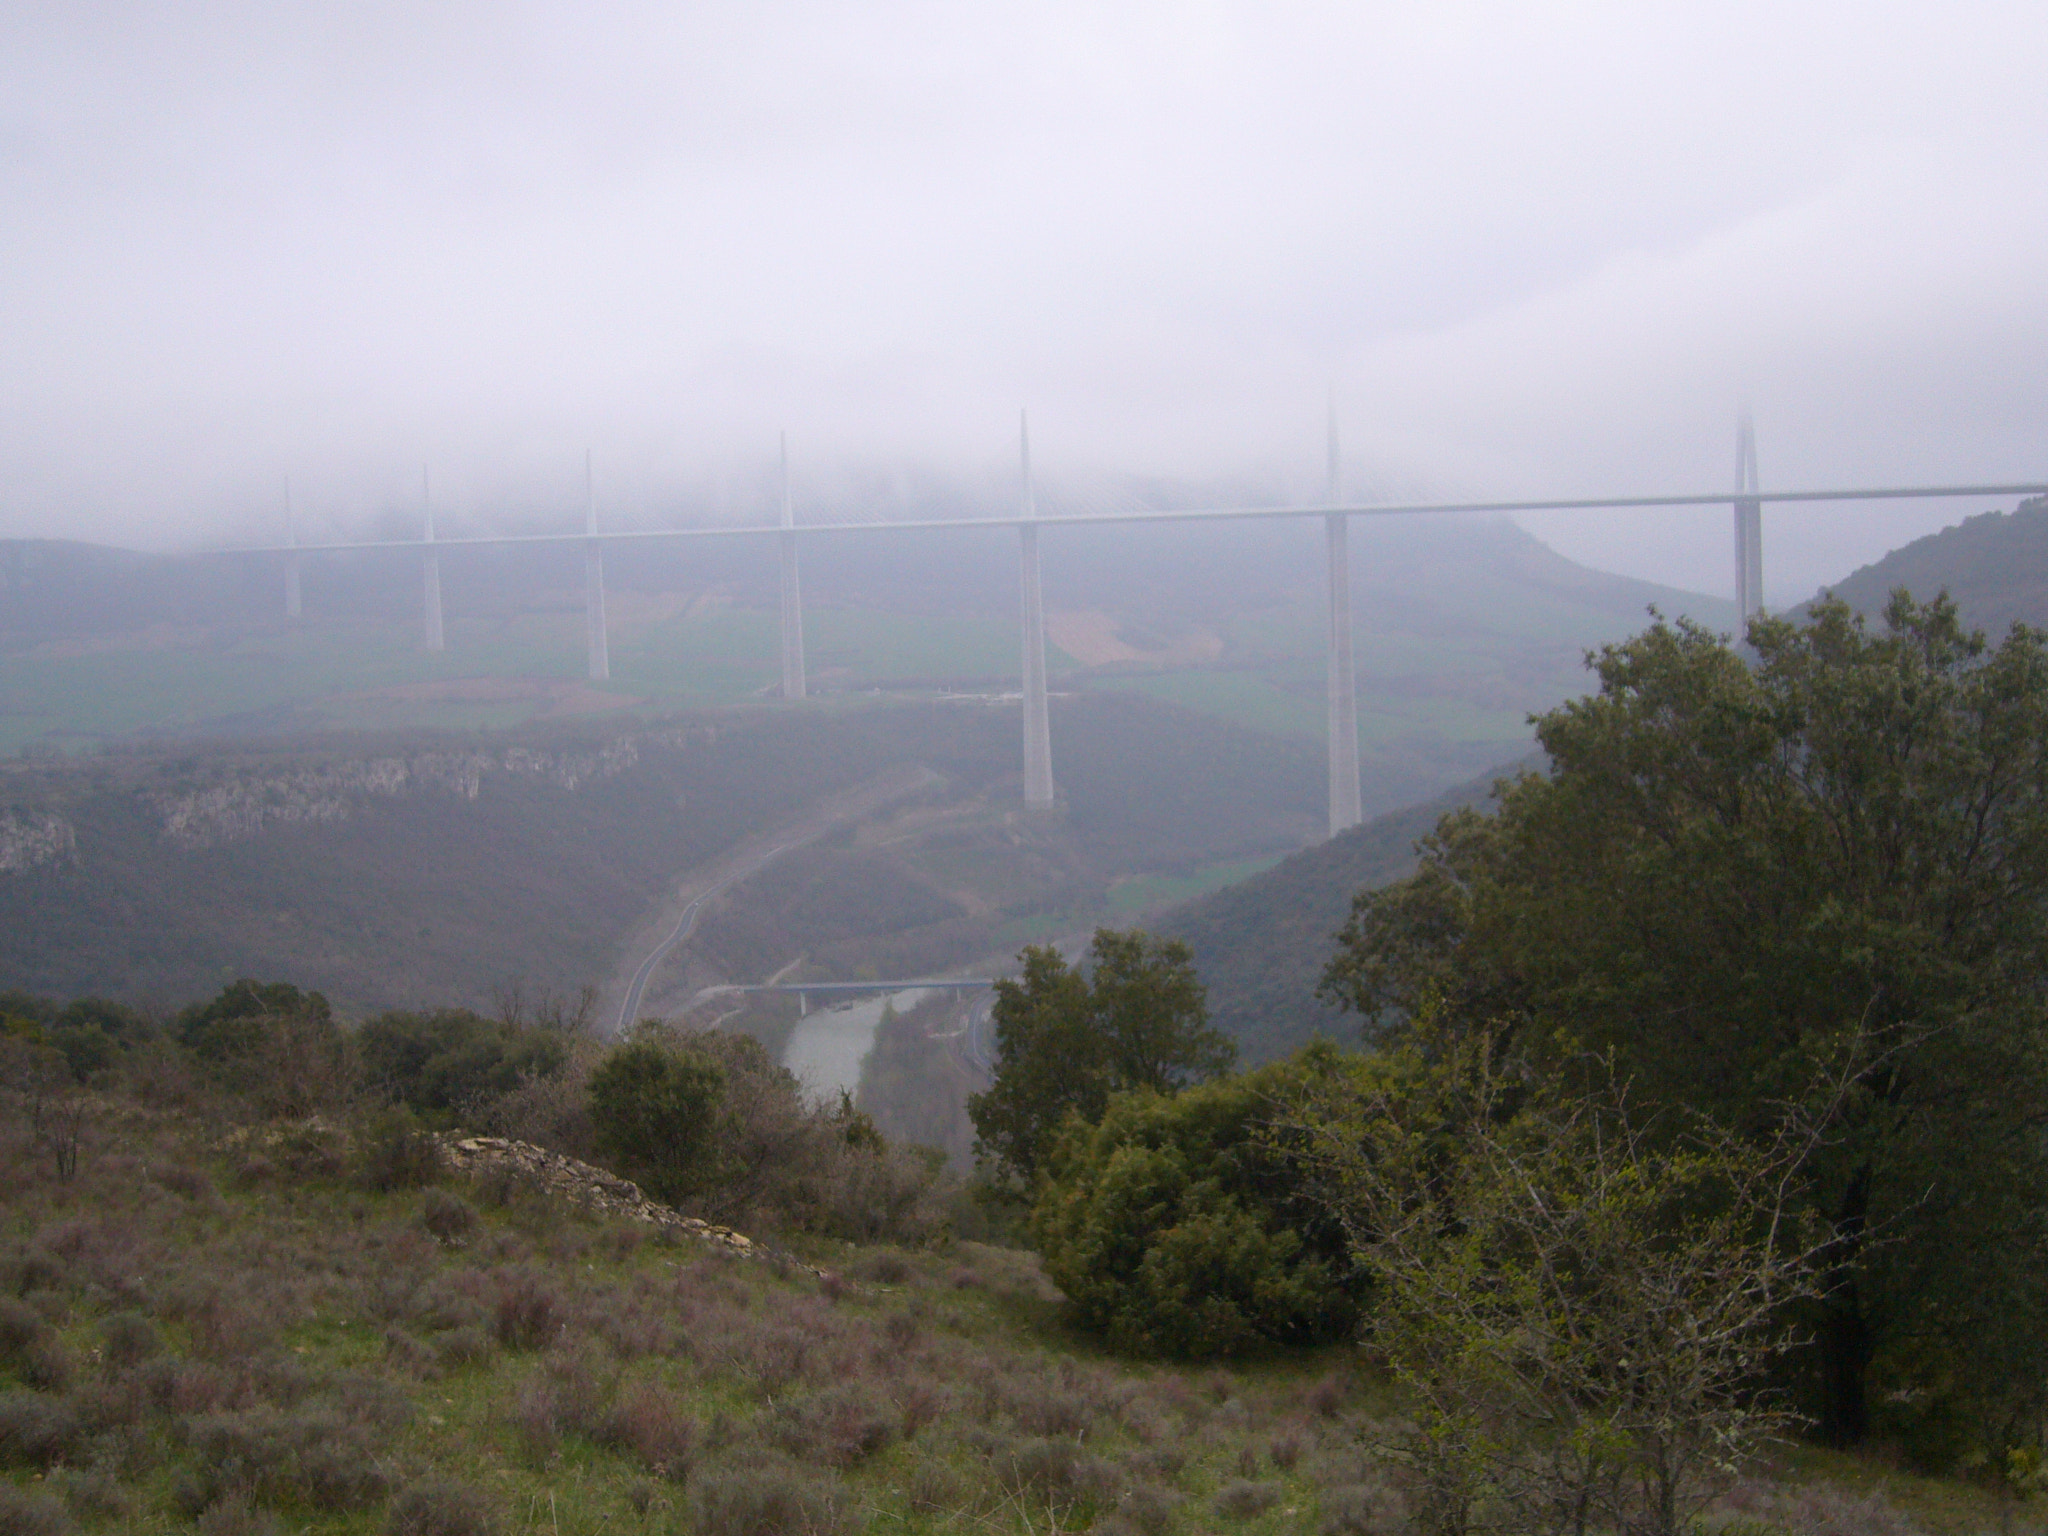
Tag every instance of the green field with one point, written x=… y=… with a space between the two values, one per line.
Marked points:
x=1144 y=892
x=365 y=676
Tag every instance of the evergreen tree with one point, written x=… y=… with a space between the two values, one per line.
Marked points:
x=1066 y=1040
x=1741 y=867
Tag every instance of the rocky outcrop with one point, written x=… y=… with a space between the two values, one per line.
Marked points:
x=236 y=806
x=32 y=839
x=581 y=1183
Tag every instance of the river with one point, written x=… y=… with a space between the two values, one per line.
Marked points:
x=828 y=1045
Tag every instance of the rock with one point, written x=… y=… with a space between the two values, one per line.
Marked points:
x=592 y=1187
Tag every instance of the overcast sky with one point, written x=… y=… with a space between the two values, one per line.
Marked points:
x=1540 y=249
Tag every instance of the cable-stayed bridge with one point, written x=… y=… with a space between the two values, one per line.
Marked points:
x=1745 y=498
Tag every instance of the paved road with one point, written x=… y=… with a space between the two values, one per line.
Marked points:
x=749 y=858
x=685 y=925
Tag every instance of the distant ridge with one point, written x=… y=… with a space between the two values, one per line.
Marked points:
x=1995 y=566
x=1261 y=944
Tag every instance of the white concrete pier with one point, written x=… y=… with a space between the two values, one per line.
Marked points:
x=1037 y=725
x=294 y=607
x=1749 y=525
x=431 y=568
x=593 y=581
x=792 y=593
x=1341 y=675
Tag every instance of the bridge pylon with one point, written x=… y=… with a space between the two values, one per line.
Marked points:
x=593 y=580
x=294 y=606
x=1749 y=526
x=792 y=593
x=430 y=570
x=1341 y=671
x=1037 y=726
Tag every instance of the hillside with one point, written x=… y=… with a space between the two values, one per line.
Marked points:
x=1261 y=944
x=1995 y=566
x=457 y=867
x=1463 y=626
x=222 y=1319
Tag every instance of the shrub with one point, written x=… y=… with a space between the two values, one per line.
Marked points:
x=1144 y=1510
x=128 y=1338
x=1242 y=1500
x=438 y=1506
x=1363 y=1509
x=31 y=1348
x=563 y=1397
x=653 y=1109
x=392 y=1152
x=236 y=1516
x=527 y=1312
x=1285 y=1449
x=883 y=1268
x=468 y=1344
x=839 y=1427
x=268 y=1453
x=27 y=1513
x=648 y=1422
x=444 y=1061
x=1179 y=1225
x=447 y=1217
x=934 y=1488
x=277 y=1047
x=97 y=1495
x=34 y=1430
x=772 y=1501
x=1056 y=1473
x=181 y=1179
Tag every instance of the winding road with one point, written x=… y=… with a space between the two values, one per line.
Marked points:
x=749 y=857
x=685 y=925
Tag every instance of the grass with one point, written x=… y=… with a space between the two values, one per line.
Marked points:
x=256 y=1331
x=340 y=675
x=249 y=1337
x=1143 y=893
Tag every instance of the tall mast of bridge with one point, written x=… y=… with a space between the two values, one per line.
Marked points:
x=1341 y=681
x=1037 y=727
x=292 y=604
x=1749 y=525
x=593 y=578
x=792 y=596
x=430 y=563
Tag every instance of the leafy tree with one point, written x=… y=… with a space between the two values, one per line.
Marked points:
x=653 y=1110
x=436 y=1063
x=276 y=1047
x=709 y=1121
x=235 y=1023
x=1735 y=868
x=1580 y=1308
x=1067 y=1039
x=90 y=1032
x=1178 y=1225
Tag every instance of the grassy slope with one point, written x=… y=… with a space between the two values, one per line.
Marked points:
x=189 y=1328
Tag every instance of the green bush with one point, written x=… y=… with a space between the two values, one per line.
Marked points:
x=440 y=1063
x=1179 y=1226
x=653 y=1108
x=90 y=1033
x=273 y=1045
x=392 y=1152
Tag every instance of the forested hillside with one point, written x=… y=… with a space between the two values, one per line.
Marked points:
x=452 y=867
x=1261 y=944
x=1995 y=566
